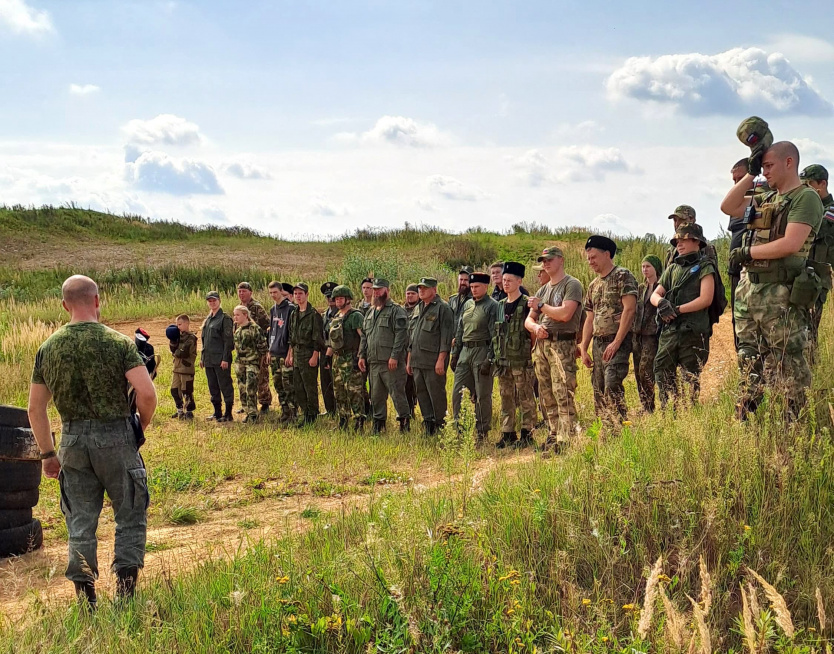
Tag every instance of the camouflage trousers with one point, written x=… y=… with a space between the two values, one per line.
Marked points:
x=816 y=318
x=348 y=386
x=515 y=387
x=98 y=456
x=607 y=379
x=767 y=324
x=247 y=386
x=264 y=394
x=644 y=350
x=555 y=363
x=282 y=381
x=686 y=350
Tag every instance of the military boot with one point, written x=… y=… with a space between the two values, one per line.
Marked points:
x=85 y=591
x=344 y=423
x=227 y=417
x=405 y=424
x=217 y=415
x=379 y=426
x=507 y=439
x=525 y=440
x=359 y=423
x=126 y=582
x=429 y=427
x=264 y=409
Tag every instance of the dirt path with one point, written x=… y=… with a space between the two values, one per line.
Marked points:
x=722 y=358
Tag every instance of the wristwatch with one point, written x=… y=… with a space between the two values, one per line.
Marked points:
x=48 y=455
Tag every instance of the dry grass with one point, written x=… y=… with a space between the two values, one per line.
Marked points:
x=651 y=596
x=777 y=603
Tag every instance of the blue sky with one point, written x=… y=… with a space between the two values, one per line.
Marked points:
x=314 y=118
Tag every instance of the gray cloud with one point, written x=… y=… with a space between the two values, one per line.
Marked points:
x=246 y=170
x=399 y=131
x=159 y=172
x=164 y=129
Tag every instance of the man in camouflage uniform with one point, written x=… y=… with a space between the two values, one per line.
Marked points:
x=306 y=346
x=99 y=448
x=472 y=354
x=611 y=304
x=326 y=362
x=822 y=251
x=412 y=299
x=431 y=326
x=261 y=318
x=644 y=332
x=382 y=354
x=512 y=353
x=773 y=299
x=554 y=320
x=251 y=346
x=279 y=347
x=344 y=337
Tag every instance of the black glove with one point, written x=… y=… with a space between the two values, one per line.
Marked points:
x=453 y=362
x=740 y=256
x=666 y=310
x=754 y=161
x=485 y=369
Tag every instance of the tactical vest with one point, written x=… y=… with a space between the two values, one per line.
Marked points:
x=822 y=250
x=514 y=347
x=686 y=287
x=769 y=225
x=343 y=341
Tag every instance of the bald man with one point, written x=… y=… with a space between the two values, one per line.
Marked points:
x=85 y=369
x=775 y=294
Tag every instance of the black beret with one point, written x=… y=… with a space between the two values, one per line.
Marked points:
x=286 y=287
x=479 y=278
x=601 y=243
x=514 y=268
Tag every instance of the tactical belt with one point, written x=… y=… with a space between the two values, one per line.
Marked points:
x=780 y=275
x=565 y=336
x=605 y=339
x=79 y=425
x=475 y=343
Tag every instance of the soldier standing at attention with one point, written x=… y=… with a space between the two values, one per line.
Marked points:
x=644 y=332
x=326 y=362
x=251 y=346
x=683 y=297
x=261 y=318
x=382 y=354
x=412 y=299
x=611 y=303
x=464 y=293
x=306 y=345
x=279 y=347
x=99 y=448
x=472 y=354
x=216 y=357
x=513 y=356
x=344 y=338
x=774 y=297
x=555 y=314
x=432 y=326
x=367 y=288
x=822 y=251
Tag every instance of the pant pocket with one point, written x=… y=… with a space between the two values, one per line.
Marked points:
x=65 y=505
x=141 y=496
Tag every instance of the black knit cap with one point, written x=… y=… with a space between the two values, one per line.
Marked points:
x=601 y=243
x=514 y=268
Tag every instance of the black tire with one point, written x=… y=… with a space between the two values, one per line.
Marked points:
x=13 y=416
x=16 y=442
x=15 y=518
x=19 y=475
x=20 y=540
x=24 y=499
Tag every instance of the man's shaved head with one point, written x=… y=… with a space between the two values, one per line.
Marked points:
x=79 y=291
x=783 y=150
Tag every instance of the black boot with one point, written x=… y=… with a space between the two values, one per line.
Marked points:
x=507 y=439
x=344 y=423
x=217 y=415
x=85 y=591
x=359 y=423
x=379 y=426
x=405 y=424
x=525 y=440
x=429 y=427
x=227 y=417
x=126 y=582
x=264 y=409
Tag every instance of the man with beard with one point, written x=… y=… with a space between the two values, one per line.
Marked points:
x=464 y=293
x=382 y=354
x=261 y=319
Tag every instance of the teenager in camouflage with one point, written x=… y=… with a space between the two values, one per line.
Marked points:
x=306 y=346
x=279 y=347
x=260 y=318
x=644 y=332
x=344 y=337
x=183 y=345
x=251 y=346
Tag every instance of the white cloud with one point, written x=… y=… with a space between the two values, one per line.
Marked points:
x=453 y=189
x=211 y=213
x=574 y=163
x=19 y=18
x=246 y=170
x=399 y=131
x=165 y=129
x=159 y=172
x=726 y=83
x=425 y=204
x=323 y=207
x=83 y=89
x=812 y=152
x=581 y=130
x=611 y=223
x=802 y=48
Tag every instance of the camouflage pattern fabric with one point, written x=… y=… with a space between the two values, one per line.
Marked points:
x=555 y=366
x=260 y=317
x=250 y=344
x=185 y=353
x=687 y=350
x=348 y=386
x=515 y=387
x=822 y=250
x=644 y=349
x=607 y=380
x=247 y=383
x=283 y=384
x=251 y=347
x=83 y=365
x=604 y=298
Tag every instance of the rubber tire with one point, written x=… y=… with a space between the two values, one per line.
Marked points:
x=15 y=518
x=20 y=540
x=15 y=442
x=19 y=475
x=13 y=416
x=24 y=499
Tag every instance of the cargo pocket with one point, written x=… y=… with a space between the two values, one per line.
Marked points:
x=65 y=505
x=141 y=496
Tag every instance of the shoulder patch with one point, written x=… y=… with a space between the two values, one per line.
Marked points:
x=829 y=215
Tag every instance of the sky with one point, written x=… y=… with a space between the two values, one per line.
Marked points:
x=312 y=119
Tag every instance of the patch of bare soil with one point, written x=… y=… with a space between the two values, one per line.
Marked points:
x=722 y=358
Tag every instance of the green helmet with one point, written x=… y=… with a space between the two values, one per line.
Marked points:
x=341 y=291
x=754 y=133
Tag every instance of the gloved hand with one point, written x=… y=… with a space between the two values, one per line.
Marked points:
x=453 y=362
x=666 y=310
x=485 y=369
x=754 y=162
x=740 y=256
x=756 y=135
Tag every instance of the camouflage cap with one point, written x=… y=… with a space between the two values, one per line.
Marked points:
x=684 y=212
x=212 y=295
x=379 y=282
x=341 y=291
x=689 y=230
x=538 y=267
x=428 y=282
x=754 y=132
x=245 y=286
x=814 y=173
x=327 y=288
x=411 y=288
x=466 y=270
x=551 y=253
x=302 y=286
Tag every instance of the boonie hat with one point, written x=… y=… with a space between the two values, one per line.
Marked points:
x=691 y=230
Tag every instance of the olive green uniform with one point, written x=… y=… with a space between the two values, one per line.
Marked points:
x=456 y=303
x=306 y=337
x=348 y=383
x=513 y=356
x=473 y=351
x=251 y=347
x=184 y=352
x=328 y=394
x=83 y=365
x=432 y=327
x=410 y=390
x=385 y=336
x=644 y=345
x=823 y=251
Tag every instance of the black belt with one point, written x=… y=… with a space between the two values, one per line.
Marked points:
x=565 y=336
x=475 y=343
x=68 y=425
x=605 y=339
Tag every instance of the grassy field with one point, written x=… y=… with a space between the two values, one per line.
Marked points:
x=402 y=544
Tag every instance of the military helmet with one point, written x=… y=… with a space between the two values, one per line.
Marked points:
x=341 y=291
x=754 y=132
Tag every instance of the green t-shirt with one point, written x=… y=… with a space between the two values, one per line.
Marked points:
x=83 y=365
x=353 y=321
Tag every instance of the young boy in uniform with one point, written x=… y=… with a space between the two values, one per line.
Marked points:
x=183 y=345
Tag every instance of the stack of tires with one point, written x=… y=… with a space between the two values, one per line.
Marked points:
x=20 y=478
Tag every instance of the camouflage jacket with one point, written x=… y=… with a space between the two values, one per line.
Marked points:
x=512 y=345
x=185 y=353
x=258 y=315
x=605 y=299
x=384 y=334
x=823 y=248
x=645 y=322
x=250 y=343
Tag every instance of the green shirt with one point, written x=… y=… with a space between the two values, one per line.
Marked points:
x=384 y=334
x=477 y=323
x=306 y=330
x=805 y=207
x=83 y=365
x=432 y=327
x=348 y=325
